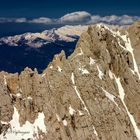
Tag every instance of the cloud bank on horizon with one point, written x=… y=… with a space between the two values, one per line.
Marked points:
x=80 y=17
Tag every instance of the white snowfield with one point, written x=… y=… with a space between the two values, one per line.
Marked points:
x=71 y=30
x=28 y=130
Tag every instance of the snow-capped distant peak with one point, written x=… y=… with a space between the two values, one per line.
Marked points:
x=65 y=33
x=71 y=30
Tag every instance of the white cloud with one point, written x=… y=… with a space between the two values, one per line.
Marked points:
x=125 y=19
x=76 y=17
x=109 y=19
x=9 y=20
x=43 y=20
x=80 y=17
x=4 y=20
x=20 y=20
x=113 y=19
x=95 y=19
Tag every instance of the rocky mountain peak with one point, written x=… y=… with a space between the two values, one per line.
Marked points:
x=93 y=94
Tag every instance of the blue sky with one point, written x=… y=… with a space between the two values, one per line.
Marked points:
x=58 y=8
x=20 y=16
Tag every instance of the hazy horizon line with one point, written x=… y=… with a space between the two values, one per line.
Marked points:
x=79 y=17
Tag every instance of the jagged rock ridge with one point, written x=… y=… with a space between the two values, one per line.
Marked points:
x=94 y=94
x=31 y=49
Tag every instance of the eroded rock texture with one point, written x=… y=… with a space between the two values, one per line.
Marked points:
x=92 y=95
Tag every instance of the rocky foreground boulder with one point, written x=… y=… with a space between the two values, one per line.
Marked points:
x=94 y=94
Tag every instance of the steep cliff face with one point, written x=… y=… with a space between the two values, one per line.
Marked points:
x=92 y=95
x=134 y=33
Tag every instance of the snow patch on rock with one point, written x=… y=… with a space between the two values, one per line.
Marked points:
x=110 y=97
x=92 y=61
x=84 y=71
x=5 y=81
x=100 y=73
x=59 y=69
x=71 y=111
x=17 y=132
x=110 y=74
x=65 y=123
x=72 y=78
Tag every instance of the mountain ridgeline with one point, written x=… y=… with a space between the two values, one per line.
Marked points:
x=36 y=50
x=94 y=94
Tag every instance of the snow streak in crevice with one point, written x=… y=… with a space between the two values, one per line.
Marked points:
x=84 y=104
x=110 y=97
x=122 y=95
x=127 y=47
x=100 y=73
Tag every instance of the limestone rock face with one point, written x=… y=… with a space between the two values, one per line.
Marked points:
x=92 y=95
x=134 y=33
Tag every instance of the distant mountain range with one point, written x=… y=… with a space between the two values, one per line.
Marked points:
x=10 y=26
x=58 y=36
x=36 y=50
